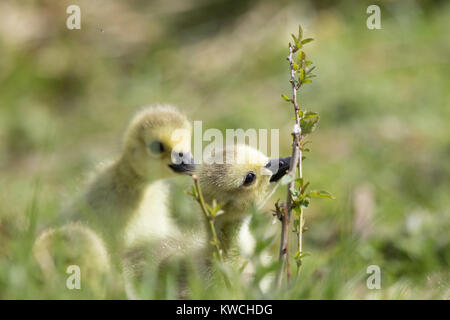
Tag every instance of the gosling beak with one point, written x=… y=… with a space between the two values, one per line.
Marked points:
x=279 y=167
x=182 y=163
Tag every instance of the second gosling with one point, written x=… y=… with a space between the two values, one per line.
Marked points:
x=156 y=138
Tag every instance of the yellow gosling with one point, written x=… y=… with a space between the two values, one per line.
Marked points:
x=108 y=212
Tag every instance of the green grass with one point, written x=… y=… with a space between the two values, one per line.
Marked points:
x=65 y=97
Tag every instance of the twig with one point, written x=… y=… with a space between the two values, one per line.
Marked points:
x=297 y=198
x=210 y=214
x=295 y=163
x=209 y=217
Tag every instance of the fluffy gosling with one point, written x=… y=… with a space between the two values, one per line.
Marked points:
x=155 y=138
x=240 y=179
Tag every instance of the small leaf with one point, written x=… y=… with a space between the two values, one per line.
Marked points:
x=299 y=182
x=193 y=192
x=295 y=66
x=296 y=40
x=301 y=56
x=310 y=115
x=307 y=40
x=285 y=97
x=300 y=32
x=297 y=210
x=302 y=74
x=304 y=203
x=295 y=195
x=219 y=212
x=310 y=69
x=308 y=63
x=304 y=254
x=303 y=188
x=309 y=125
x=322 y=193
x=286 y=179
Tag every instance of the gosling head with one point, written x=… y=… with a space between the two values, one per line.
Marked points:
x=238 y=176
x=156 y=138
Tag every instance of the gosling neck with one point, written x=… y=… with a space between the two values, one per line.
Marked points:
x=125 y=176
x=228 y=227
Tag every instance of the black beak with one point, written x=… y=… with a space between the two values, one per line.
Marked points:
x=279 y=168
x=182 y=163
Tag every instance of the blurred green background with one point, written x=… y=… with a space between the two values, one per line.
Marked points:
x=382 y=146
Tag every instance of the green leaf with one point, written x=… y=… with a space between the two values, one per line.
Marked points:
x=194 y=192
x=305 y=202
x=215 y=209
x=295 y=66
x=302 y=191
x=294 y=195
x=299 y=182
x=308 y=63
x=297 y=210
x=285 y=97
x=296 y=225
x=304 y=254
x=286 y=179
x=307 y=40
x=301 y=56
x=296 y=40
x=309 y=125
x=322 y=194
x=310 y=69
x=299 y=256
x=300 y=32
x=302 y=74
x=310 y=115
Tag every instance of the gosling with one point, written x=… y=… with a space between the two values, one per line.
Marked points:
x=240 y=178
x=156 y=138
x=236 y=177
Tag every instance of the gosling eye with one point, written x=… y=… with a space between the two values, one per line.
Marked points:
x=156 y=147
x=249 y=179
